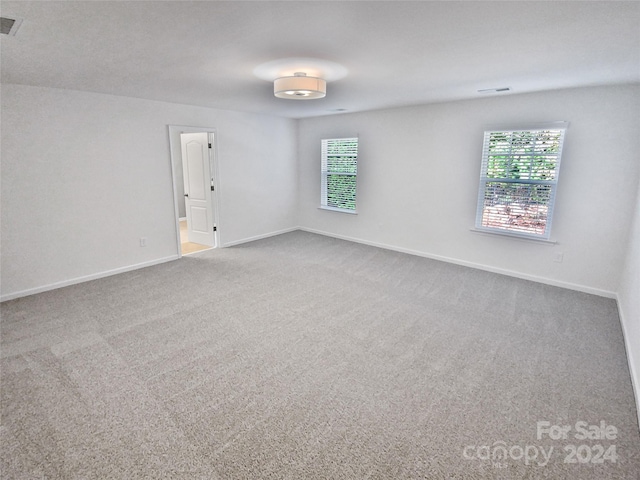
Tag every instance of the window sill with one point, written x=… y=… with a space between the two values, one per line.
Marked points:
x=514 y=236
x=339 y=210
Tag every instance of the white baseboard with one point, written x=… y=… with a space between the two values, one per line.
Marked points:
x=259 y=237
x=511 y=273
x=95 y=276
x=635 y=380
x=86 y=278
x=488 y=268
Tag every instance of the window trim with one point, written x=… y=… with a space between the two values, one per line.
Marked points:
x=507 y=233
x=324 y=172
x=339 y=210
x=484 y=179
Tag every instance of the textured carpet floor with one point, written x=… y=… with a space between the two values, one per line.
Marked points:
x=306 y=357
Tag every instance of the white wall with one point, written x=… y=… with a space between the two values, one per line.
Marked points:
x=418 y=175
x=629 y=300
x=84 y=176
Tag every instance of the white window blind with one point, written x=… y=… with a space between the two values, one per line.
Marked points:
x=518 y=180
x=339 y=170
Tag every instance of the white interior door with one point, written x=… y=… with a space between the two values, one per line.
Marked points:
x=197 y=187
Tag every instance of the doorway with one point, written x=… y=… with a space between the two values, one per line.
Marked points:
x=194 y=168
x=187 y=247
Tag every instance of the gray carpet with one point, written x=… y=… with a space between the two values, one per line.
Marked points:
x=306 y=357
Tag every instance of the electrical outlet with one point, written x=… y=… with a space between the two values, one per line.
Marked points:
x=143 y=241
x=558 y=257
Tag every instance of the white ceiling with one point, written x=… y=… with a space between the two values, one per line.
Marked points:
x=396 y=53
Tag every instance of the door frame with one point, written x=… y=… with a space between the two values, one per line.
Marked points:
x=176 y=162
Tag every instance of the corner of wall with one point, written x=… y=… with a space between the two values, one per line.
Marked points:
x=631 y=356
x=629 y=303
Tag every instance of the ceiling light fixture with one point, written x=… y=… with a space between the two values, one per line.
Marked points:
x=299 y=87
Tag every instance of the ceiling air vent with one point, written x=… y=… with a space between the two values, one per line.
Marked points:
x=495 y=90
x=9 y=26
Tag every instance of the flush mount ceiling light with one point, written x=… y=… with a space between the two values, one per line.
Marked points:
x=299 y=87
x=300 y=78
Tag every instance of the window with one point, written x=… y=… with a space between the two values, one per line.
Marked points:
x=518 y=181
x=339 y=170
